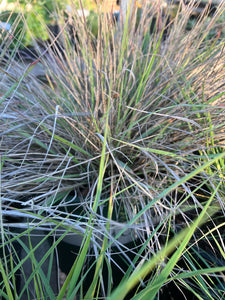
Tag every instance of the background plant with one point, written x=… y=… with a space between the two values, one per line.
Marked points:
x=30 y=19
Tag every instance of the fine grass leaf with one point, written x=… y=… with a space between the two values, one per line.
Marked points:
x=6 y=282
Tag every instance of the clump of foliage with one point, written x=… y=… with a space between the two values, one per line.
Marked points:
x=31 y=19
x=126 y=134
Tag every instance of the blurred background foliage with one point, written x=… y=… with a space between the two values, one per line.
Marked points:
x=30 y=19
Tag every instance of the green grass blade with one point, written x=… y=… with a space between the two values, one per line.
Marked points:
x=6 y=282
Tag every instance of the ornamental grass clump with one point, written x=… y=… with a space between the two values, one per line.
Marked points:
x=120 y=140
